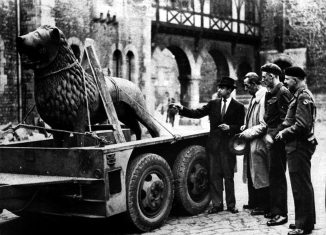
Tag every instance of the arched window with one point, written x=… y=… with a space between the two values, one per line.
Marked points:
x=117 y=64
x=130 y=66
x=76 y=50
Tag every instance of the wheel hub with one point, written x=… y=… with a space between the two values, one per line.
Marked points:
x=198 y=179
x=152 y=193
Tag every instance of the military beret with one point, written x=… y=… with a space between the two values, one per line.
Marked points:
x=295 y=71
x=271 y=68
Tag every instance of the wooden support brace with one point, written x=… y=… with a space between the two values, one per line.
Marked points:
x=103 y=90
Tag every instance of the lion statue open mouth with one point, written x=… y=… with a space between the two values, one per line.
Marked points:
x=59 y=89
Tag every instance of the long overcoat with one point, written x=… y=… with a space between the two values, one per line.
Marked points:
x=255 y=131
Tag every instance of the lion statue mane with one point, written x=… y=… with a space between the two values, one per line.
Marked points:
x=60 y=91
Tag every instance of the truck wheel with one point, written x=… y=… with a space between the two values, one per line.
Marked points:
x=150 y=191
x=191 y=180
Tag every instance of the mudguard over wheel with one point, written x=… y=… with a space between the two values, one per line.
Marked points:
x=150 y=191
x=191 y=180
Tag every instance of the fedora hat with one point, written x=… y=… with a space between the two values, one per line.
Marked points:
x=237 y=145
x=228 y=82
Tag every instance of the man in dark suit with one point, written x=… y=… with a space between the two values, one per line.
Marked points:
x=226 y=116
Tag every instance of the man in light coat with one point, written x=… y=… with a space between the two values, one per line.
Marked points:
x=256 y=162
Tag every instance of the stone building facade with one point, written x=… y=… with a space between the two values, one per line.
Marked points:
x=132 y=43
x=122 y=40
x=8 y=65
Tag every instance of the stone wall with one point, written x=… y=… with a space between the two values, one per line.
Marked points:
x=291 y=24
x=8 y=76
x=129 y=34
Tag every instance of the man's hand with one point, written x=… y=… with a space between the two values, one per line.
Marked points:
x=244 y=135
x=269 y=141
x=224 y=127
x=242 y=127
x=279 y=136
x=176 y=105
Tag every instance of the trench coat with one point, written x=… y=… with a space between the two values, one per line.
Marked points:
x=255 y=130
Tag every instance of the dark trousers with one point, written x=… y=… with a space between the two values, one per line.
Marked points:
x=257 y=198
x=277 y=179
x=252 y=198
x=303 y=193
x=216 y=178
x=171 y=119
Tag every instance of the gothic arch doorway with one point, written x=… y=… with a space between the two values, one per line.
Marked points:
x=214 y=67
x=184 y=73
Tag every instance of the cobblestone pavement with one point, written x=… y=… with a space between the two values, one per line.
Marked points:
x=241 y=223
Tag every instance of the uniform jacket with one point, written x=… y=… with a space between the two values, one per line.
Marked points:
x=255 y=131
x=277 y=103
x=299 y=121
x=234 y=117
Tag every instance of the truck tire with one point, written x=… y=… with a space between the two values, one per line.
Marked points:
x=150 y=191
x=191 y=180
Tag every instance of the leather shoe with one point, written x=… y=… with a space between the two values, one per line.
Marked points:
x=277 y=220
x=247 y=207
x=299 y=232
x=257 y=211
x=233 y=210
x=269 y=215
x=215 y=210
x=292 y=226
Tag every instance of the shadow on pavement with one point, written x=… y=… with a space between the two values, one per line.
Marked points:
x=59 y=226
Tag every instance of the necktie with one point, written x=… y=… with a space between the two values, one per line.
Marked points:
x=252 y=103
x=223 y=108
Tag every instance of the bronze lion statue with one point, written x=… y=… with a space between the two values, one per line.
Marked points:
x=59 y=88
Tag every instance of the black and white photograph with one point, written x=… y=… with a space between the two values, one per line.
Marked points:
x=164 y=117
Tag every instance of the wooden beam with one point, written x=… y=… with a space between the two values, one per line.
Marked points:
x=103 y=90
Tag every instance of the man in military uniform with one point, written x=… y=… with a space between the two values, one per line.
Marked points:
x=300 y=144
x=277 y=102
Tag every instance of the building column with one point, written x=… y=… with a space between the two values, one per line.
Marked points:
x=194 y=92
x=190 y=91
